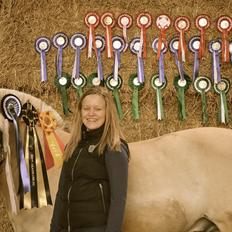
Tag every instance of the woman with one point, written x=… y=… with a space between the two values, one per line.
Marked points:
x=93 y=183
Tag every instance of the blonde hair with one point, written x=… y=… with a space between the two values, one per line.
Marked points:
x=111 y=133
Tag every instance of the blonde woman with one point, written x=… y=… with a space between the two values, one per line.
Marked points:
x=93 y=184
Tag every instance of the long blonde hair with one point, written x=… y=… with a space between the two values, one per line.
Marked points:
x=111 y=134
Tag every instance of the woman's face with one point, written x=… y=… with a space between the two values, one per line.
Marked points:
x=93 y=111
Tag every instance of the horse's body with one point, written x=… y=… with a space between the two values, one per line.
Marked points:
x=174 y=181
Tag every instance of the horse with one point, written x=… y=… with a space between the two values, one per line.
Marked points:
x=178 y=182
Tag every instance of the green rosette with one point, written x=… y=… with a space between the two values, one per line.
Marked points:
x=93 y=80
x=114 y=86
x=63 y=83
x=222 y=89
x=136 y=86
x=79 y=84
x=202 y=85
x=181 y=86
x=158 y=86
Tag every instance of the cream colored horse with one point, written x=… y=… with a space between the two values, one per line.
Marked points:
x=180 y=182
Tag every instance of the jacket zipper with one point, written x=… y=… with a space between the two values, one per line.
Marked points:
x=70 y=188
x=102 y=196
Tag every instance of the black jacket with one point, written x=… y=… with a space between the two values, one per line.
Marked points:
x=92 y=188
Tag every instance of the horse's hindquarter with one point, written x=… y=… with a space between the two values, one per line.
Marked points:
x=177 y=178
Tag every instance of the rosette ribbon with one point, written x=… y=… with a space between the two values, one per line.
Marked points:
x=163 y=22
x=194 y=46
x=107 y=21
x=53 y=145
x=125 y=22
x=144 y=21
x=118 y=47
x=42 y=46
x=224 y=25
x=40 y=192
x=202 y=23
x=100 y=46
x=157 y=85
x=134 y=47
x=215 y=49
x=155 y=46
x=91 y=21
x=78 y=42
x=202 y=85
x=114 y=86
x=11 y=107
x=181 y=86
x=136 y=86
x=222 y=89
x=173 y=45
x=182 y=24
x=60 y=41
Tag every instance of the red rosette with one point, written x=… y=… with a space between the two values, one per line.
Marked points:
x=182 y=23
x=144 y=20
x=107 y=20
x=163 y=21
x=202 y=22
x=125 y=20
x=224 y=25
x=92 y=19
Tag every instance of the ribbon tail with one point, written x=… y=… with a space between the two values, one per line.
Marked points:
x=64 y=98
x=161 y=68
x=204 y=112
x=118 y=103
x=43 y=67
x=99 y=66
x=196 y=66
x=181 y=102
x=59 y=62
x=135 y=103
x=140 y=69
x=159 y=104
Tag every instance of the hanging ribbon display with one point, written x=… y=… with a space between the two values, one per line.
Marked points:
x=215 y=49
x=114 y=86
x=78 y=42
x=134 y=47
x=40 y=193
x=100 y=46
x=155 y=46
x=222 y=89
x=53 y=145
x=224 y=25
x=42 y=46
x=118 y=47
x=163 y=22
x=173 y=45
x=11 y=107
x=60 y=41
x=125 y=22
x=108 y=22
x=202 y=85
x=182 y=24
x=144 y=21
x=136 y=86
x=181 y=86
x=194 y=46
x=157 y=85
x=63 y=83
x=91 y=20
x=202 y=23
